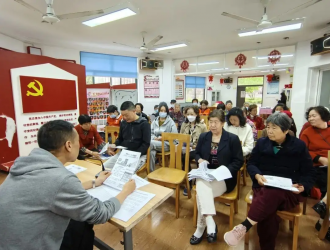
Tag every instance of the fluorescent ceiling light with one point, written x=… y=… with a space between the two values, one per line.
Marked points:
x=261 y=66
x=115 y=13
x=206 y=63
x=282 y=26
x=268 y=65
x=281 y=70
x=266 y=57
x=225 y=74
x=169 y=46
x=265 y=71
x=219 y=69
x=190 y=73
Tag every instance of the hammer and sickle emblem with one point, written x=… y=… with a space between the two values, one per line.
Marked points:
x=38 y=91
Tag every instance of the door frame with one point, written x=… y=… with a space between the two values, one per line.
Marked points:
x=319 y=84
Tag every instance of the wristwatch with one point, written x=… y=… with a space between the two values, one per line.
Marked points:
x=93 y=182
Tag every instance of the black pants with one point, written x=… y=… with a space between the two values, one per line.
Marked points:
x=321 y=180
x=78 y=236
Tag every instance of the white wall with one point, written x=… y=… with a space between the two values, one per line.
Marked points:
x=305 y=81
x=166 y=82
x=11 y=43
x=231 y=94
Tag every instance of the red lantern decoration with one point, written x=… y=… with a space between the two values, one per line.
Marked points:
x=274 y=56
x=240 y=60
x=221 y=81
x=184 y=66
x=269 y=78
x=211 y=78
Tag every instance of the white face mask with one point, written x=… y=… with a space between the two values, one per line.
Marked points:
x=191 y=118
x=162 y=114
x=277 y=111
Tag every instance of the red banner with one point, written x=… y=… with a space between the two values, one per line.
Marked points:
x=47 y=94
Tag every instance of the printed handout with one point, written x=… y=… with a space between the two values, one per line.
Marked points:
x=219 y=174
x=279 y=182
x=75 y=169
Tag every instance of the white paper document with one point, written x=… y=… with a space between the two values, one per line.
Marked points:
x=133 y=203
x=103 y=192
x=279 y=182
x=75 y=169
x=219 y=174
x=104 y=149
x=139 y=181
x=120 y=147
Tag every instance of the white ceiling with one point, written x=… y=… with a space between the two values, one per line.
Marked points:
x=198 y=21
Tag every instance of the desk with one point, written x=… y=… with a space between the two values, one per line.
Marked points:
x=162 y=194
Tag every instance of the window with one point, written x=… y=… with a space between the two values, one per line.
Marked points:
x=115 y=81
x=195 y=88
x=111 y=80
x=100 y=79
x=252 y=80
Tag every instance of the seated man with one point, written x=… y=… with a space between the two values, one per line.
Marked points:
x=134 y=134
x=88 y=135
x=48 y=195
x=114 y=117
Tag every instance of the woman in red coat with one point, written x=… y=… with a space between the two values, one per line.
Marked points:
x=257 y=120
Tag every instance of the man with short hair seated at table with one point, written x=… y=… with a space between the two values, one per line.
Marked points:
x=88 y=135
x=134 y=134
x=40 y=196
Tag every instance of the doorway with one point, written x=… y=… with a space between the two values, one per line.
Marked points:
x=324 y=88
x=250 y=89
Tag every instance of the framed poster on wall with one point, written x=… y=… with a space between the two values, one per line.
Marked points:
x=98 y=101
x=179 y=89
x=151 y=86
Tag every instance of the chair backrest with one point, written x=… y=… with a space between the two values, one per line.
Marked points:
x=259 y=135
x=206 y=120
x=176 y=149
x=111 y=130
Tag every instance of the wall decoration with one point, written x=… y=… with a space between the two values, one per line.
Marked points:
x=211 y=78
x=228 y=86
x=221 y=81
x=151 y=86
x=274 y=56
x=122 y=95
x=273 y=88
x=184 y=66
x=179 y=89
x=98 y=101
x=269 y=78
x=240 y=60
x=209 y=88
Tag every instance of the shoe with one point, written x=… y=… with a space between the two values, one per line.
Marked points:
x=185 y=192
x=211 y=238
x=194 y=240
x=318 y=226
x=233 y=237
x=320 y=208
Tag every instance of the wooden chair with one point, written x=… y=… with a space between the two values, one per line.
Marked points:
x=111 y=130
x=259 y=134
x=325 y=224
x=206 y=120
x=145 y=167
x=230 y=198
x=172 y=175
x=292 y=215
x=159 y=156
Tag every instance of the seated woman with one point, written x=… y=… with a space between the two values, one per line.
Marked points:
x=163 y=123
x=204 y=110
x=248 y=121
x=278 y=155
x=139 y=109
x=217 y=147
x=257 y=120
x=317 y=139
x=195 y=102
x=281 y=108
x=177 y=116
x=236 y=124
x=193 y=127
x=114 y=117
x=87 y=136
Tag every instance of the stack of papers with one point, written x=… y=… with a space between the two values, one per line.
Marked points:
x=279 y=182
x=75 y=169
x=219 y=174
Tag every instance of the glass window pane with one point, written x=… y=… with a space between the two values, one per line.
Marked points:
x=127 y=80
x=115 y=81
x=101 y=79
x=190 y=94
x=254 y=80
x=200 y=94
x=89 y=80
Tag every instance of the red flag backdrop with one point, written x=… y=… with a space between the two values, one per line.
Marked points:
x=47 y=94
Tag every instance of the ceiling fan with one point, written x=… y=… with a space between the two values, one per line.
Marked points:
x=147 y=47
x=51 y=17
x=265 y=22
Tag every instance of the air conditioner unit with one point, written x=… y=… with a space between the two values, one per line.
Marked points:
x=321 y=45
x=151 y=64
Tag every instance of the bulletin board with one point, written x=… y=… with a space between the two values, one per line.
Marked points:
x=151 y=86
x=98 y=101
x=179 y=89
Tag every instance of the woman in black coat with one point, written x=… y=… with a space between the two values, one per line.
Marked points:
x=279 y=155
x=216 y=148
x=283 y=98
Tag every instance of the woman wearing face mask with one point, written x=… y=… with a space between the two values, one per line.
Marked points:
x=204 y=110
x=258 y=121
x=193 y=127
x=114 y=117
x=163 y=123
x=236 y=124
x=139 y=109
x=195 y=102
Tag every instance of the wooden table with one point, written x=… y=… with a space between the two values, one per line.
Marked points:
x=161 y=194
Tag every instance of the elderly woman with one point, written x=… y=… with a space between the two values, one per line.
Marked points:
x=253 y=126
x=236 y=124
x=257 y=120
x=218 y=148
x=193 y=127
x=278 y=155
x=204 y=110
x=317 y=139
x=177 y=116
x=163 y=123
